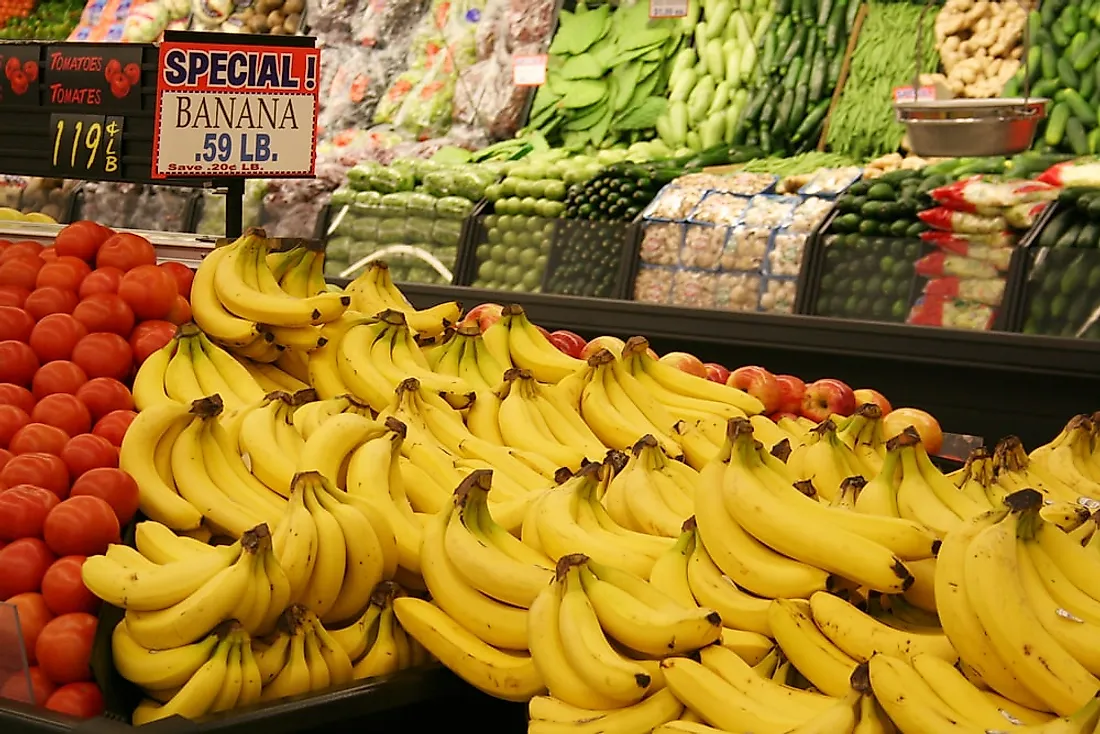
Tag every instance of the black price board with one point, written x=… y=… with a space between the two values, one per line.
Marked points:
x=93 y=75
x=87 y=146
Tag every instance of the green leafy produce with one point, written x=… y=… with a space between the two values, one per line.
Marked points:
x=52 y=20
x=864 y=123
x=606 y=76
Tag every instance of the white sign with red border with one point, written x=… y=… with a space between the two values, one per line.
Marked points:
x=659 y=9
x=529 y=71
x=230 y=109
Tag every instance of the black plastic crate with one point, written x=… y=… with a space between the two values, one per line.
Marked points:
x=867 y=278
x=1061 y=292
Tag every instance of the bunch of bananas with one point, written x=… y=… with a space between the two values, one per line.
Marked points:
x=374 y=291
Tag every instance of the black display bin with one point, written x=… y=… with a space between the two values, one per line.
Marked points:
x=1061 y=293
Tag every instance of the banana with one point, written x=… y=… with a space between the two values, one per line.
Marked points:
x=329 y=447
x=160 y=545
x=207 y=309
x=483 y=565
x=355 y=638
x=497 y=624
x=823 y=459
x=911 y=703
x=680 y=382
x=991 y=567
x=244 y=260
x=319 y=677
x=745 y=560
x=374 y=476
x=841 y=716
x=383 y=657
x=879 y=497
x=861 y=635
x=523 y=426
x=180 y=381
x=719 y=703
x=684 y=726
x=1075 y=561
x=680 y=405
x=310 y=416
x=645 y=495
x=295 y=540
x=157 y=499
x=872 y=719
x=368 y=559
x=510 y=676
x=739 y=610
x=396 y=357
x=149 y=382
x=330 y=566
x=155 y=587
x=670 y=570
x=749 y=646
x=334 y=657
x=644 y=716
x=960 y=694
x=271 y=658
x=234 y=680
x=128 y=558
x=655 y=631
x=158 y=670
x=782 y=525
x=252 y=680
x=298 y=338
x=197 y=695
x=764 y=691
x=959 y=620
x=483 y=417
x=823 y=663
x=293 y=679
x=425 y=493
x=255 y=606
x=196 y=485
x=530 y=350
x=916 y=498
x=223 y=461
x=976 y=479
x=586 y=648
x=270 y=378
x=1014 y=470
x=1066 y=458
x=374 y=291
x=260 y=443
x=261 y=351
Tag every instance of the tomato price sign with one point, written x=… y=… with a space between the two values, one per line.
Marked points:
x=228 y=109
x=86 y=146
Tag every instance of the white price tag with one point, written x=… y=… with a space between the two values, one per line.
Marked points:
x=668 y=8
x=529 y=71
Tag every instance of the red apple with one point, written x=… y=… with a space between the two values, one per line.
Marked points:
x=791 y=390
x=612 y=344
x=867 y=395
x=779 y=414
x=483 y=314
x=716 y=372
x=759 y=383
x=931 y=435
x=685 y=363
x=827 y=397
x=568 y=342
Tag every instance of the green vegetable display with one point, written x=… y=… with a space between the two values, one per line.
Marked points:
x=864 y=123
x=799 y=59
x=802 y=163
x=869 y=278
x=585 y=258
x=1062 y=294
x=52 y=20
x=886 y=206
x=606 y=76
x=1062 y=62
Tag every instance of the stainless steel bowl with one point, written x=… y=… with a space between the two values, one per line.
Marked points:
x=971 y=127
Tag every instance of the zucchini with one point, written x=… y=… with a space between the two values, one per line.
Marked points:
x=835 y=65
x=834 y=30
x=1078 y=136
x=813 y=120
x=798 y=42
x=767 y=114
x=1045 y=88
x=817 y=76
x=853 y=12
x=783 y=113
x=1059 y=36
x=800 y=101
x=1056 y=125
x=771 y=45
x=823 y=12
x=1088 y=85
x=1055 y=228
x=793 y=72
x=755 y=105
x=1076 y=44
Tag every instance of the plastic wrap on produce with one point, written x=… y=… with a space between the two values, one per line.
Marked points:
x=948 y=220
x=661 y=243
x=785 y=254
x=745 y=249
x=983 y=196
x=988 y=291
x=703 y=246
x=386 y=22
x=530 y=21
x=160 y=208
x=939 y=264
x=653 y=284
x=778 y=295
x=720 y=208
x=737 y=291
x=426 y=110
x=332 y=21
x=953 y=313
x=212 y=217
x=485 y=97
x=359 y=77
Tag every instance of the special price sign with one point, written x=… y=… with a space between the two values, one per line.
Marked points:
x=227 y=109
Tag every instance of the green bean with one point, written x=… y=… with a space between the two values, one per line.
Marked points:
x=864 y=124
x=796 y=165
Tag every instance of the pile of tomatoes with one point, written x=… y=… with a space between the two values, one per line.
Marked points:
x=76 y=319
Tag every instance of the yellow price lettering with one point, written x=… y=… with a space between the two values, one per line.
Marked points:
x=85 y=142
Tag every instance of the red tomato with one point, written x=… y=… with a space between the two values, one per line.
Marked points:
x=5 y=457
x=104 y=395
x=66 y=273
x=149 y=336
x=23 y=510
x=149 y=291
x=20 y=271
x=81 y=526
x=60 y=376
x=23 y=563
x=33 y=616
x=37 y=438
x=181 y=312
x=64 y=411
x=81 y=240
x=18 y=362
x=16 y=395
x=183 y=275
x=55 y=336
x=113 y=425
x=64 y=589
x=105 y=312
x=125 y=251
x=89 y=451
x=12 y=419
x=103 y=280
x=44 y=301
x=40 y=470
x=19 y=249
x=15 y=323
x=104 y=355
x=15 y=687
x=81 y=700
x=13 y=295
x=64 y=649
x=113 y=486
x=48 y=254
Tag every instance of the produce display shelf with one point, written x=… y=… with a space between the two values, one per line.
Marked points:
x=975 y=382
x=420 y=700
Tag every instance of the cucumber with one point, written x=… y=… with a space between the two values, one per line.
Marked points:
x=1080 y=108
x=1089 y=236
x=1049 y=62
x=1094 y=209
x=915 y=229
x=1086 y=56
x=1067 y=74
x=1069 y=236
x=881 y=192
x=1055 y=228
x=1078 y=136
x=1056 y=125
